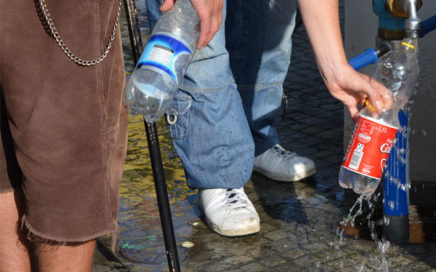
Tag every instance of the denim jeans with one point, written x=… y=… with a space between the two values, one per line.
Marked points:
x=215 y=134
x=153 y=12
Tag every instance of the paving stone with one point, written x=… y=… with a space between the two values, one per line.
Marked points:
x=272 y=260
x=253 y=267
x=277 y=235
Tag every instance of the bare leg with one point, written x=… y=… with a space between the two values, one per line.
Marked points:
x=14 y=248
x=72 y=257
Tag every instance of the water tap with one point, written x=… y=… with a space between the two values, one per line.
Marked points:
x=412 y=23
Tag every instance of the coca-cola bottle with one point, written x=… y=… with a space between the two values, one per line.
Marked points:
x=374 y=134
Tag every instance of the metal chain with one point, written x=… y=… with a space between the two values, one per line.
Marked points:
x=64 y=47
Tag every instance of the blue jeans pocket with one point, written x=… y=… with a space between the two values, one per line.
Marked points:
x=177 y=116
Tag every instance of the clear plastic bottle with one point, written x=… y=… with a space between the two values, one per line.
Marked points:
x=374 y=135
x=163 y=62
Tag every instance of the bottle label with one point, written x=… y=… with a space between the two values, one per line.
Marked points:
x=164 y=52
x=370 y=147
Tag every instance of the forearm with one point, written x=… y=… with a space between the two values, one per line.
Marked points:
x=321 y=20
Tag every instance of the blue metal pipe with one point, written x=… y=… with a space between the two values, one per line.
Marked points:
x=427 y=26
x=397 y=172
x=396 y=202
x=369 y=56
x=396 y=182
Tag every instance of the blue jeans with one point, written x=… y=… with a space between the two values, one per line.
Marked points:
x=215 y=134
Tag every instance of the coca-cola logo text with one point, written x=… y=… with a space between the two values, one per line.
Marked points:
x=385 y=148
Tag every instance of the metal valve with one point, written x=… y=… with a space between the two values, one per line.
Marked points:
x=397 y=18
x=400 y=8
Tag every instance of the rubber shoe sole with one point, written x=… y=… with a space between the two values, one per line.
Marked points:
x=292 y=178
x=233 y=233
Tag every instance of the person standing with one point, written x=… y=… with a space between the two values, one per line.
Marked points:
x=63 y=130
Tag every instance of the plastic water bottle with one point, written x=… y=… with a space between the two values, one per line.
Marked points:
x=374 y=135
x=163 y=62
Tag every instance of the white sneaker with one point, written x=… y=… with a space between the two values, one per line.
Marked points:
x=279 y=164
x=229 y=212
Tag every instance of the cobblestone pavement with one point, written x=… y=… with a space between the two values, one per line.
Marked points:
x=299 y=221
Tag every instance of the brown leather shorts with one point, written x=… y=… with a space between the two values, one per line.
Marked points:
x=63 y=126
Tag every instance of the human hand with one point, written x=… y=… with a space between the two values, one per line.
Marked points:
x=353 y=89
x=211 y=17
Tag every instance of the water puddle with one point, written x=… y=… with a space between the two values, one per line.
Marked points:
x=140 y=236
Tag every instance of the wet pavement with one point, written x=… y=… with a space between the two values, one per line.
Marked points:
x=299 y=221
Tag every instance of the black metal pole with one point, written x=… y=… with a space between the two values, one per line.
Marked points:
x=134 y=29
x=162 y=197
x=153 y=146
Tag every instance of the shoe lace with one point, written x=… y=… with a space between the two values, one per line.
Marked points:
x=280 y=151
x=235 y=200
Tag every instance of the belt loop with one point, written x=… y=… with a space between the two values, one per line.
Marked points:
x=171 y=121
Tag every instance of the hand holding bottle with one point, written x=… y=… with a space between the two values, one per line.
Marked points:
x=354 y=89
x=210 y=13
x=164 y=61
x=321 y=21
x=374 y=133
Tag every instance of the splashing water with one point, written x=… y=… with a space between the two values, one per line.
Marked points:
x=377 y=260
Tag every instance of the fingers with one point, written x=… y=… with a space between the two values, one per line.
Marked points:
x=387 y=100
x=353 y=89
x=208 y=30
x=205 y=34
x=379 y=95
x=211 y=15
x=166 y=5
x=354 y=112
x=362 y=86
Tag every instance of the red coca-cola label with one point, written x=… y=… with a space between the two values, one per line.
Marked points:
x=370 y=147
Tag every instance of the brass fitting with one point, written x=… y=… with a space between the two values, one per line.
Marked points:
x=389 y=34
x=399 y=8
